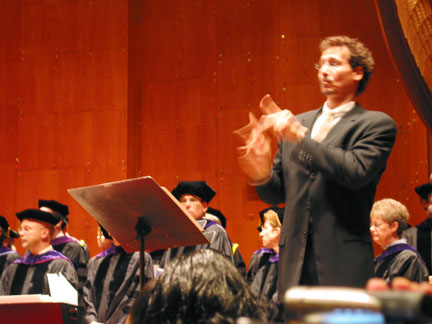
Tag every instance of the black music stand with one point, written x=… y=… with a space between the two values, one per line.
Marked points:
x=140 y=215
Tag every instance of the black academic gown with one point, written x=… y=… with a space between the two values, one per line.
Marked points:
x=420 y=238
x=113 y=284
x=28 y=274
x=238 y=260
x=74 y=251
x=217 y=236
x=7 y=256
x=401 y=260
x=263 y=272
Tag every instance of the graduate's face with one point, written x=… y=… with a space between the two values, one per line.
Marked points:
x=31 y=233
x=382 y=232
x=269 y=235
x=194 y=206
x=102 y=241
x=427 y=204
x=336 y=76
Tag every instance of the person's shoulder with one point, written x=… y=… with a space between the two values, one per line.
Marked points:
x=216 y=228
x=410 y=231
x=13 y=256
x=73 y=245
x=373 y=114
x=63 y=262
x=409 y=255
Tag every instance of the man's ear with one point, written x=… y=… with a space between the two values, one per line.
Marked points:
x=358 y=73
x=45 y=233
x=57 y=226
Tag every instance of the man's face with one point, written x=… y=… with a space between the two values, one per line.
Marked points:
x=382 y=232
x=427 y=204
x=193 y=204
x=269 y=235
x=31 y=232
x=336 y=76
x=102 y=241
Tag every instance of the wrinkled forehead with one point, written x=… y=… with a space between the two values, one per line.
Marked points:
x=341 y=53
x=34 y=223
x=377 y=217
x=185 y=197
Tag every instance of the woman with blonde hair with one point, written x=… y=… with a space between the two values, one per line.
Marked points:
x=389 y=218
x=263 y=266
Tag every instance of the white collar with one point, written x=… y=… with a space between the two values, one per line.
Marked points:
x=400 y=241
x=340 y=111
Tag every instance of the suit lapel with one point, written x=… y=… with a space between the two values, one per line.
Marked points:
x=309 y=119
x=344 y=123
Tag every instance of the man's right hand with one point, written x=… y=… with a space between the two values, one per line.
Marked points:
x=255 y=157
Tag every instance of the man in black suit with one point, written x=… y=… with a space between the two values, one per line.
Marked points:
x=326 y=170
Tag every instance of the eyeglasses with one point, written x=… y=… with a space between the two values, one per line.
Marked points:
x=376 y=224
x=332 y=65
x=26 y=229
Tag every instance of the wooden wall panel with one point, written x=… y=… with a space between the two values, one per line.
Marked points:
x=65 y=102
x=101 y=90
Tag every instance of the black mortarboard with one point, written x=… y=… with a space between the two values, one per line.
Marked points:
x=424 y=190
x=39 y=215
x=218 y=214
x=4 y=224
x=196 y=188
x=278 y=210
x=105 y=232
x=7 y=232
x=56 y=207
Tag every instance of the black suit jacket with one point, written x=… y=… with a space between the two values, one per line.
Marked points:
x=329 y=189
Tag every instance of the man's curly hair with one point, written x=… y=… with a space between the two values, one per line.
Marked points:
x=359 y=56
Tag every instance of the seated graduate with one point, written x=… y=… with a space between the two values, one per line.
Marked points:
x=7 y=255
x=195 y=196
x=217 y=216
x=200 y=287
x=113 y=281
x=27 y=275
x=389 y=218
x=9 y=241
x=76 y=250
x=69 y=246
x=263 y=266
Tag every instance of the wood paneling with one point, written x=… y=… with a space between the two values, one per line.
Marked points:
x=101 y=90
x=64 y=102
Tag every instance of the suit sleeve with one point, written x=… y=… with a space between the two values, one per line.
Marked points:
x=272 y=192
x=356 y=164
